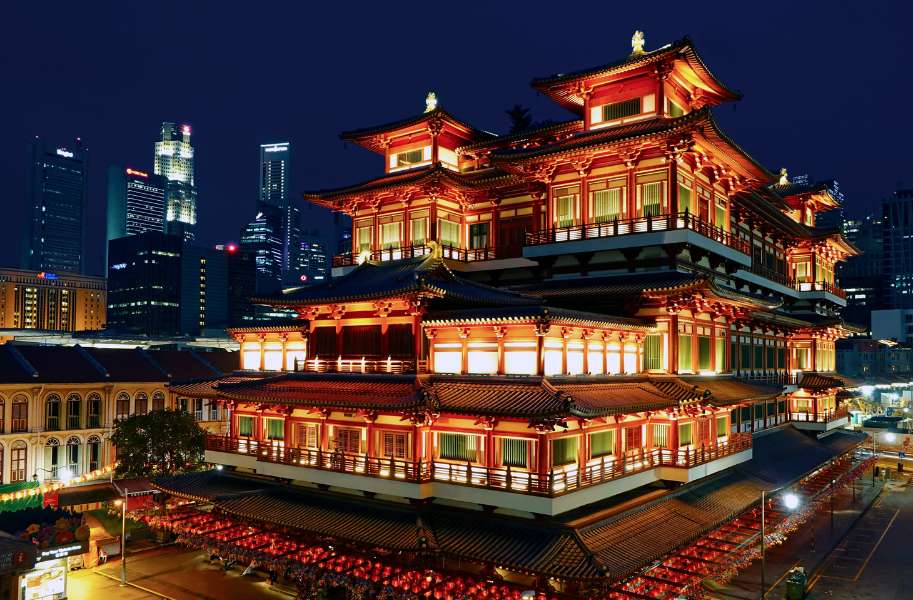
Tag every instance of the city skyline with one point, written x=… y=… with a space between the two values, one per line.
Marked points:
x=231 y=116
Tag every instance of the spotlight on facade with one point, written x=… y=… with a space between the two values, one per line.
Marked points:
x=65 y=476
x=791 y=501
x=890 y=437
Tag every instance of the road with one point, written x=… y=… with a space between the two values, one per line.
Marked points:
x=873 y=561
x=170 y=572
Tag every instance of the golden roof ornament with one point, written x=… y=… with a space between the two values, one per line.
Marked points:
x=437 y=251
x=637 y=43
x=430 y=102
x=784 y=176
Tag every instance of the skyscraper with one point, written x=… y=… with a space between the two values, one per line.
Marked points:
x=897 y=234
x=57 y=194
x=275 y=171
x=136 y=202
x=263 y=238
x=174 y=161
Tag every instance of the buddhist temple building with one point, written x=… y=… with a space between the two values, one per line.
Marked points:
x=565 y=328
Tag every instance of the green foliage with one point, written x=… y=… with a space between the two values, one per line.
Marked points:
x=161 y=442
x=520 y=118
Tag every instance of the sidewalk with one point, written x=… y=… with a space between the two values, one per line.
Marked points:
x=807 y=547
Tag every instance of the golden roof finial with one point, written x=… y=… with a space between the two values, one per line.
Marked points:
x=637 y=43
x=430 y=102
x=784 y=176
x=437 y=251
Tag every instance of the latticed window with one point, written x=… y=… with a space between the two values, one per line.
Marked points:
x=514 y=452
x=346 y=439
x=602 y=443
x=685 y=434
x=18 y=457
x=720 y=216
x=564 y=451
x=394 y=444
x=720 y=354
x=653 y=352
x=308 y=435
x=275 y=429
x=449 y=234
x=458 y=446
x=758 y=356
x=607 y=205
x=245 y=426
x=660 y=435
x=620 y=110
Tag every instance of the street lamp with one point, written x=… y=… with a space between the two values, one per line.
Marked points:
x=791 y=502
x=122 y=502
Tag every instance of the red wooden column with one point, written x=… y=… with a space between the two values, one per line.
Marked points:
x=583 y=449
x=537 y=210
x=542 y=459
x=232 y=426
x=500 y=332
x=712 y=344
x=564 y=336
x=673 y=344
x=464 y=350
x=287 y=429
x=673 y=176
x=258 y=423
x=493 y=241
x=541 y=331
x=587 y=334
x=372 y=443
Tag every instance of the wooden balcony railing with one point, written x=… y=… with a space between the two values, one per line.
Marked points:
x=639 y=225
x=820 y=286
x=553 y=483
x=822 y=416
x=361 y=365
x=450 y=252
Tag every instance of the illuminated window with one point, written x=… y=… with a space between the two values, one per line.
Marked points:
x=482 y=361
x=703 y=352
x=390 y=234
x=272 y=356
x=347 y=439
x=410 y=158
x=685 y=434
x=602 y=443
x=651 y=198
x=245 y=426
x=419 y=229
x=363 y=239
x=594 y=358
x=250 y=356
x=613 y=358
x=294 y=354
x=608 y=205
x=721 y=429
x=564 y=451
x=630 y=358
x=653 y=352
x=564 y=211
x=394 y=444
x=575 y=357
x=553 y=352
x=684 y=352
x=458 y=446
x=308 y=435
x=619 y=110
x=520 y=358
x=449 y=234
x=514 y=452
x=274 y=429
x=447 y=359
x=660 y=435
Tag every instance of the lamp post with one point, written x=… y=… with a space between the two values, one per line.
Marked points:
x=791 y=502
x=123 y=536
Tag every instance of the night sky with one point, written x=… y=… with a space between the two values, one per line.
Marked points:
x=827 y=85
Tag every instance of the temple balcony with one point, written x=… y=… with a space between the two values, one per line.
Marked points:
x=787 y=285
x=822 y=420
x=553 y=492
x=681 y=228
x=460 y=259
x=342 y=364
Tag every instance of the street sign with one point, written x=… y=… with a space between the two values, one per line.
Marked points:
x=901 y=455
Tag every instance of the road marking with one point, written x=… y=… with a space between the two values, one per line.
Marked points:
x=133 y=585
x=777 y=582
x=878 y=543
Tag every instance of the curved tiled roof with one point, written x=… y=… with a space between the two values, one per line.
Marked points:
x=683 y=47
x=391 y=392
x=423 y=275
x=439 y=113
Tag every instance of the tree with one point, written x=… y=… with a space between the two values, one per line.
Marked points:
x=161 y=442
x=520 y=118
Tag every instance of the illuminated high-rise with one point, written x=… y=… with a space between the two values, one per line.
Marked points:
x=174 y=161
x=57 y=196
x=275 y=170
